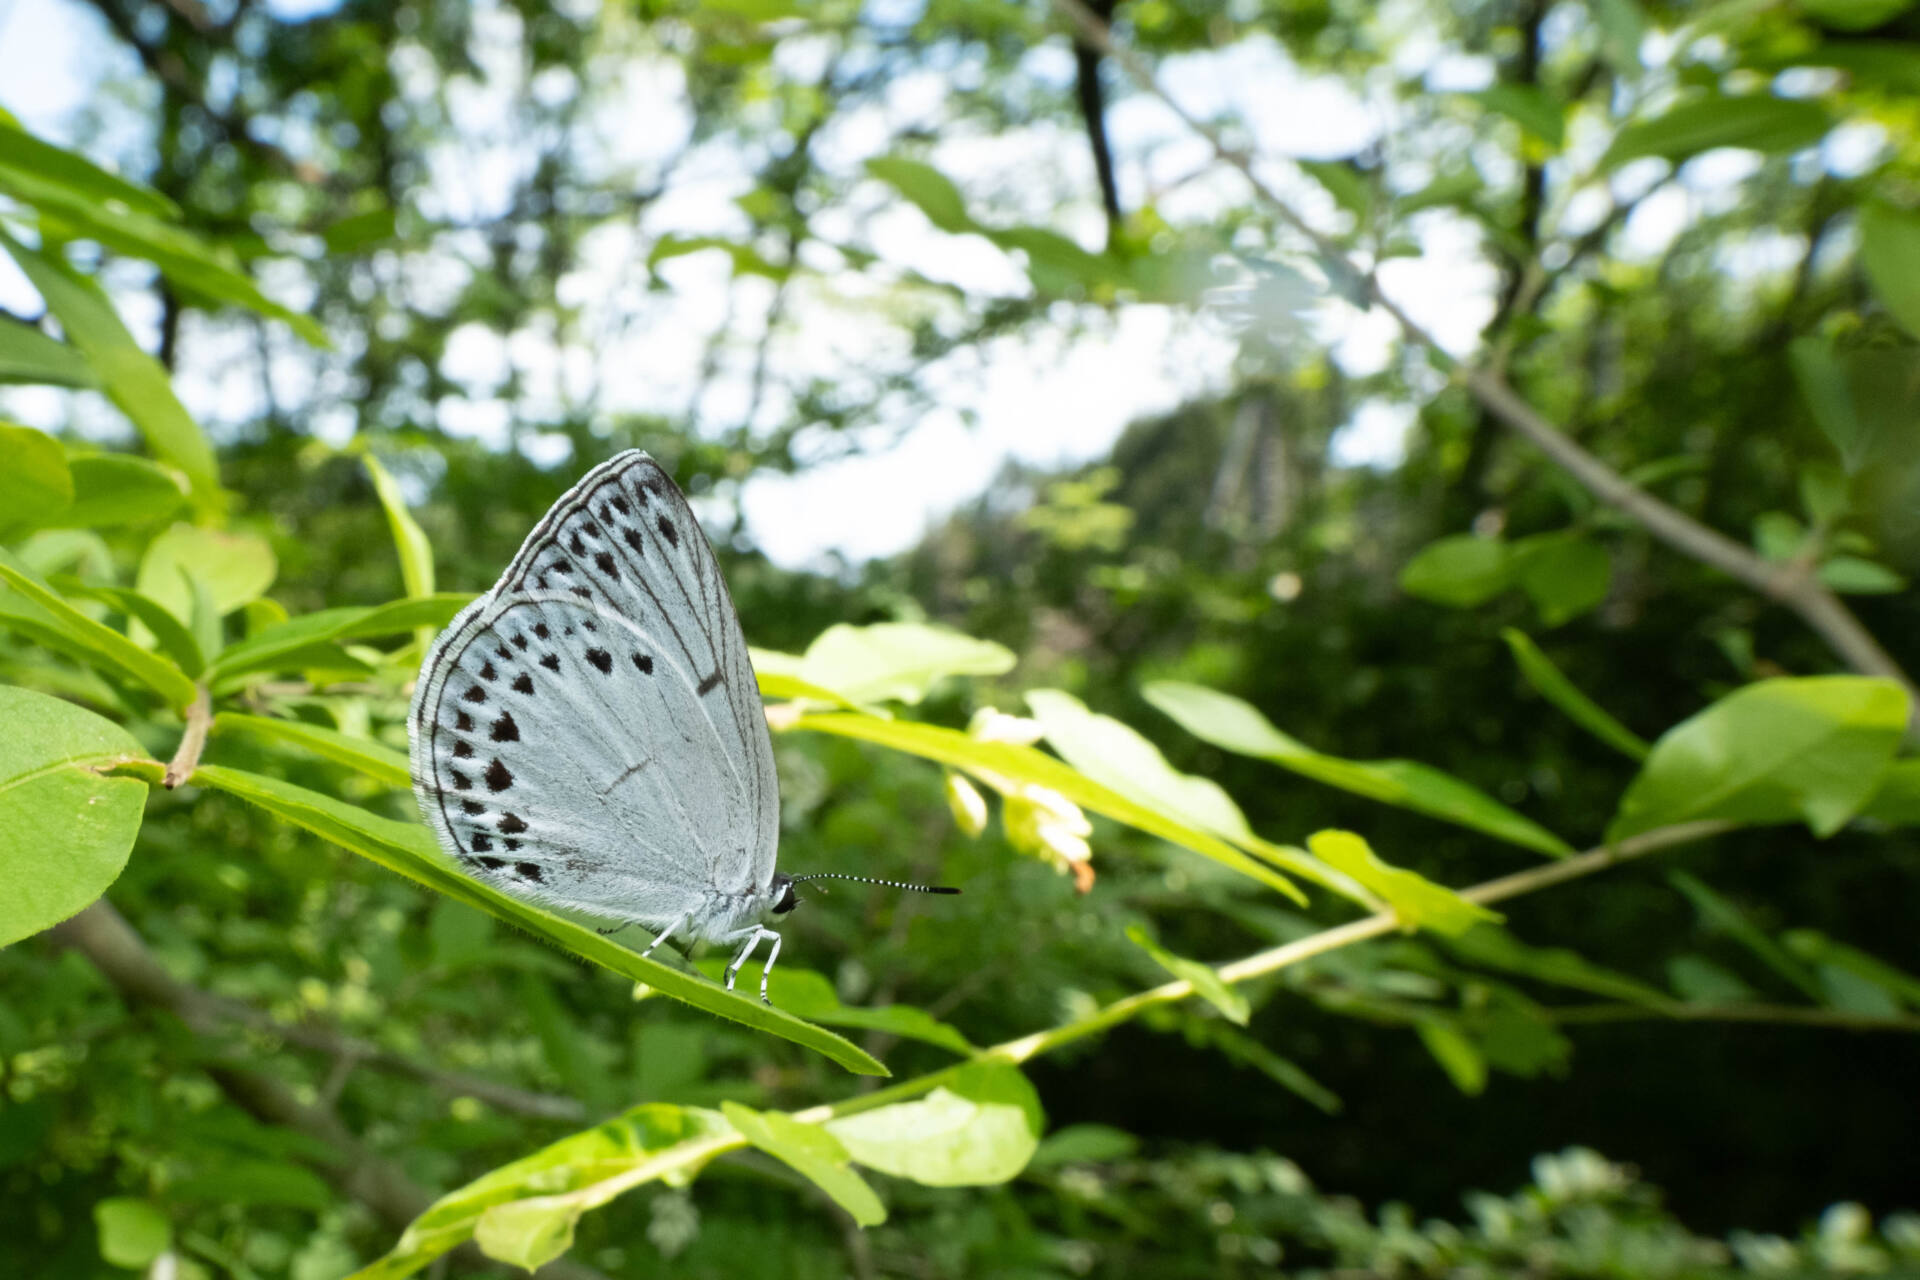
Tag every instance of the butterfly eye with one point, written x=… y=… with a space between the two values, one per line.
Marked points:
x=788 y=901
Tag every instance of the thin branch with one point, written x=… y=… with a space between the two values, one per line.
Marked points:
x=1817 y=606
x=192 y=742
x=1788 y=1015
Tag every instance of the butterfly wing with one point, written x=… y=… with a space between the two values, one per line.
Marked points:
x=589 y=732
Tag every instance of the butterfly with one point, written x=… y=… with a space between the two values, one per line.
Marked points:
x=589 y=735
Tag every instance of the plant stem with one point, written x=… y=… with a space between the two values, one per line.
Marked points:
x=192 y=742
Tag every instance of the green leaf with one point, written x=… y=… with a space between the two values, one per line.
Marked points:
x=1207 y=983
x=1528 y=106
x=1853 y=575
x=35 y=485
x=237 y=1181
x=1813 y=748
x=132 y=1233
x=1722 y=915
x=1083 y=1144
x=534 y=1199
x=1817 y=949
x=1897 y=798
x=65 y=828
x=174 y=640
x=1024 y=764
x=1828 y=392
x=1698 y=980
x=927 y=189
x=233 y=569
x=1460 y=571
x=1464 y=1064
x=1233 y=725
x=1853 y=15
x=1549 y=683
x=51 y=621
x=1755 y=122
x=409 y=850
x=1349 y=188
x=383 y=764
x=809 y=995
x=114 y=489
x=30 y=356
x=1057 y=264
x=1564 y=575
x=1239 y=1047
x=286 y=645
x=132 y=379
x=21 y=150
x=811 y=1152
x=358 y=231
x=1418 y=901
x=979 y=1126
x=1491 y=947
x=416 y=553
x=896 y=661
x=526 y=1233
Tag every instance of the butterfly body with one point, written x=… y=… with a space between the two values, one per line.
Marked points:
x=589 y=735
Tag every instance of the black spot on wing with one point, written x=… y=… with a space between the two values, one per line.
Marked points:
x=462 y=721
x=604 y=562
x=619 y=504
x=520 y=642
x=487 y=672
x=540 y=629
x=529 y=870
x=474 y=694
x=480 y=841
x=634 y=540
x=491 y=864
x=498 y=776
x=461 y=782
x=462 y=750
x=551 y=661
x=512 y=824
x=472 y=808
x=643 y=664
x=523 y=683
x=504 y=729
x=576 y=546
x=601 y=659
x=667 y=531
x=583 y=592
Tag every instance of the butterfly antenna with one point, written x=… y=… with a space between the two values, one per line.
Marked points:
x=891 y=884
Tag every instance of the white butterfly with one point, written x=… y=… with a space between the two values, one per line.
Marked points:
x=589 y=734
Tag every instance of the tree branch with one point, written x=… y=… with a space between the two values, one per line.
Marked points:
x=1817 y=606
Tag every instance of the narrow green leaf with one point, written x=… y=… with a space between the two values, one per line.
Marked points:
x=1239 y=1047
x=536 y=1194
x=1083 y=1144
x=174 y=640
x=1233 y=725
x=1550 y=684
x=1815 y=948
x=1890 y=254
x=383 y=764
x=416 y=553
x=1853 y=15
x=281 y=647
x=895 y=661
x=1463 y=1062
x=948 y=746
x=1854 y=575
x=1460 y=571
x=1813 y=749
x=927 y=189
x=132 y=379
x=132 y=1233
x=1720 y=914
x=115 y=489
x=811 y=1152
x=30 y=356
x=1698 y=980
x=809 y=995
x=1207 y=984
x=65 y=828
x=1755 y=122
x=1418 y=901
x=35 y=485
x=1491 y=947
x=979 y=1127
x=80 y=636
x=21 y=150
x=410 y=850
x=1824 y=385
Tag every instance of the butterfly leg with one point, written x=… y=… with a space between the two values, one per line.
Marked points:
x=667 y=933
x=772 y=955
x=753 y=940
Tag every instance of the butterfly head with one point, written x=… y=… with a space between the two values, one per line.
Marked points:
x=781 y=891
